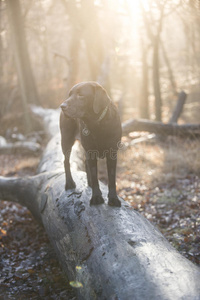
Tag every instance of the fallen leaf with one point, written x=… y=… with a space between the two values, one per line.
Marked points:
x=76 y=284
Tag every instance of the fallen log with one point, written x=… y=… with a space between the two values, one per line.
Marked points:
x=184 y=130
x=111 y=253
x=22 y=147
x=174 y=118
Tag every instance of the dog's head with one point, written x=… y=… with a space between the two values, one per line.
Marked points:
x=86 y=99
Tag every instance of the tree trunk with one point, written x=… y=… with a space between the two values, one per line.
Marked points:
x=144 y=102
x=93 y=39
x=76 y=33
x=156 y=80
x=179 y=107
x=22 y=60
x=74 y=58
x=114 y=253
x=155 y=41
x=170 y=71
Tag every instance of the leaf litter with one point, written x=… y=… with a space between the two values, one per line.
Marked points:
x=29 y=268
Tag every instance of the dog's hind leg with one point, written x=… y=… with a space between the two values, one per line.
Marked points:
x=112 y=195
x=92 y=172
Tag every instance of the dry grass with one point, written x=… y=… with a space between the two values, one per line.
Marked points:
x=160 y=163
x=182 y=158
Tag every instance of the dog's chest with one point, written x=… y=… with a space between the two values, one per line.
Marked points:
x=96 y=137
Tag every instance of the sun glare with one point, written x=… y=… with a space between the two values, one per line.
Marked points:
x=134 y=9
x=134 y=5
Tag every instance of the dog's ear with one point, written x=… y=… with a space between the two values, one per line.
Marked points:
x=101 y=99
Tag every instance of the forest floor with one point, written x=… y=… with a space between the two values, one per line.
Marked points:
x=29 y=268
x=160 y=179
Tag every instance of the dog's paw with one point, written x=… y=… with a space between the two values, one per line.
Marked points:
x=97 y=199
x=70 y=185
x=114 y=201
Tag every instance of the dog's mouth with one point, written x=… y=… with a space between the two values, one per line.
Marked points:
x=65 y=110
x=68 y=113
x=71 y=112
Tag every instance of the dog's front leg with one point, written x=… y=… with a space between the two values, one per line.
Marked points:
x=69 y=183
x=68 y=129
x=96 y=193
x=89 y=179
x=112 y=195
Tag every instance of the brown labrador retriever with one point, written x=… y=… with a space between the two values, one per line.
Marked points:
x=90 y=108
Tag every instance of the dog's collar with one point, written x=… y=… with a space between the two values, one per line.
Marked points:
x=103 y=114
x=85 y=130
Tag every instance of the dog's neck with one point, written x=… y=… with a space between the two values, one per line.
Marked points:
x=85 y=130
x=93 y=119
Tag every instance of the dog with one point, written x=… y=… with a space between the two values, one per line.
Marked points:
x=90 y=109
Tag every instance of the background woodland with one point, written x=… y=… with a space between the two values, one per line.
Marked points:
x=144 y=52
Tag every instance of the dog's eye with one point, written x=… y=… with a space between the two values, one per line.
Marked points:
x=80 y=95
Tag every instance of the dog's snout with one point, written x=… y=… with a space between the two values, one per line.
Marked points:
x=68 y=108
x=63 y=106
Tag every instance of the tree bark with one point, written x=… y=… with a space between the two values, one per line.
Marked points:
x=93 y=39
x=170 y=71
x=144 y=102
x=114 y=253
x=179 y=107
x=22 y=60
x=74 y=14
x=156 y=80
x=155 y=41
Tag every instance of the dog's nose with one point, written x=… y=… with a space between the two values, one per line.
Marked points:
x=63 y=105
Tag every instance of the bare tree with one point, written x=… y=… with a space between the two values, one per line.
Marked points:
x=21 y=55
x=144 y=101
x=154 y=30
x=93 y=38
x=73 y=12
